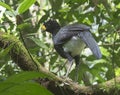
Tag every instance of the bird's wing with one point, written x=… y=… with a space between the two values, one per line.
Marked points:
x=66 y=32
x=62 y=37
x=80 y=30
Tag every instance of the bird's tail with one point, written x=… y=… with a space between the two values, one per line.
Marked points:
x=91 y=43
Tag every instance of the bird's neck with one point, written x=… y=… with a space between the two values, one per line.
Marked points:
x=55 y=31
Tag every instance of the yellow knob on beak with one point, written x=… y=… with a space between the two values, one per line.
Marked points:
x=43 y=27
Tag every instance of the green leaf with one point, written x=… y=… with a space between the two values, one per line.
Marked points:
x=5 y=51
x=56 y=4
x=11 y=13
x=117 y=71
x=105 y=51
x=118 y=6
x=23 y=88
x=22 y=84
x=5 y=6
x=25 y=6
x=25 y=76
x=38 y=42
x=53 y=59
x=23 y=26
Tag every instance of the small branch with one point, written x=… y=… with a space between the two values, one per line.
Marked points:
x=110 y=44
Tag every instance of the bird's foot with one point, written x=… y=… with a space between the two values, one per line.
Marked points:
x=67 y=80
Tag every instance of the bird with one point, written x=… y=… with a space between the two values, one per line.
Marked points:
x=70 y=40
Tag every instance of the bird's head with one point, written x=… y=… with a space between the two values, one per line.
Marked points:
x=51 y=26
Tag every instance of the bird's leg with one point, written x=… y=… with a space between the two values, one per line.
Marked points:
x=77 y=61
x=77 y=72
x=69 y=68
x=70 y=62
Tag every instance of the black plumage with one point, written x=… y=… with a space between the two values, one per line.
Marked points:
x=70 y=40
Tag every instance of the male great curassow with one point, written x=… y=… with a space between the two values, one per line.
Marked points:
x=70 y=40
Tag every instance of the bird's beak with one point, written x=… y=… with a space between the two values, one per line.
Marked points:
x=43 y=27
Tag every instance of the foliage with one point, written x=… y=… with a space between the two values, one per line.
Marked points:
x=23 y=83
x=101 y=15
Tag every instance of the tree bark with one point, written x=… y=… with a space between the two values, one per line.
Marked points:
x=21 y=57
